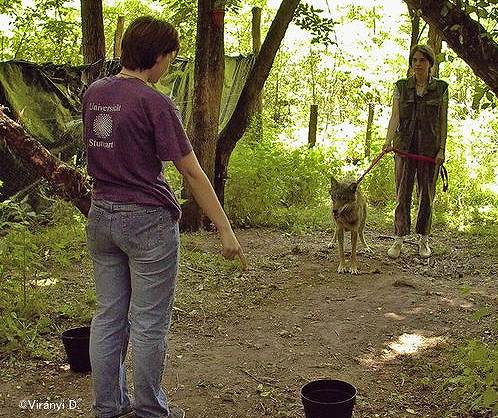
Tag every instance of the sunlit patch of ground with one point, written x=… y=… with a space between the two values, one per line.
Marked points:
x=405 y=344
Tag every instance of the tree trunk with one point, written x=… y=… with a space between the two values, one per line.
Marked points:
x=368 y=135
x=118 y=36
x=256 y=78
x=436 y=43
x=415 y=24
x=208 y=75
x=256 y=30
x=276 y=105
x=313 y=124
x=256 y=47
x=92 y=27
x=68 y=182
x=464 y=35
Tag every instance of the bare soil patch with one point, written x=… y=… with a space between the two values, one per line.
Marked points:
x=242 y=344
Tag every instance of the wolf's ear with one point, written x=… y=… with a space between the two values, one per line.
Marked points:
x=333 y=183
x=353 y=187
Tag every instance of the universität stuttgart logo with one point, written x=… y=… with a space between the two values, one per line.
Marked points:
x=102 y=126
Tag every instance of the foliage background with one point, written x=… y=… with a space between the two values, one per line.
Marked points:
x=275 y=180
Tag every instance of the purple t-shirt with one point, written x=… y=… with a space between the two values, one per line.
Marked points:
x=129 y=130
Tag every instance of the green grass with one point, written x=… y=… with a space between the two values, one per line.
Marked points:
x=463 y=382
x=37 y=256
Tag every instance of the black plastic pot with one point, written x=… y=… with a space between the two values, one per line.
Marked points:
x=328 y=399
x=76 y=343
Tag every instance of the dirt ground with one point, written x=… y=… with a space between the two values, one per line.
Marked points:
x=242 y=344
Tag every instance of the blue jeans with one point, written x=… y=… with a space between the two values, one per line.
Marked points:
x=134 y=249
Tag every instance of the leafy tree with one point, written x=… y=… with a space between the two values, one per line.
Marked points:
x=309 y=19
x=7 y=6
x=346 y=81
x=181 y=13
x=207 y=89
x=256 y=78
x=48 y=30
x=466 y=36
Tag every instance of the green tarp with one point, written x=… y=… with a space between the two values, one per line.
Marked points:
x=179 y=84
x=45 y=99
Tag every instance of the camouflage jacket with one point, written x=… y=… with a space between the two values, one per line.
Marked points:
x=420 y=117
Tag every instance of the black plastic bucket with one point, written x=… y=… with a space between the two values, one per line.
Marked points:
x=328 y=399
x=76 y=343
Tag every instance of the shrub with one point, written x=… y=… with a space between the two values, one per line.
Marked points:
x=269 y=182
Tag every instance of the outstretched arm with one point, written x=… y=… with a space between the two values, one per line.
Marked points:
x=206 y=198
x=440 y=156
x=393 y=123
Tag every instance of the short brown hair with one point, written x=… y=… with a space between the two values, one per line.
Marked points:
x=426 y=50
x=145 y=39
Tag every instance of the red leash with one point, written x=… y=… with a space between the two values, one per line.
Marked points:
x=372 y=165
x=414 y=156
x=442 y=170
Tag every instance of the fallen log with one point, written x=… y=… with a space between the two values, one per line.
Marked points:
x=67 y=182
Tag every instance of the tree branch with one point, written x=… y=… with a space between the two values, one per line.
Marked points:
x=464 y=35
x=257 y=76
x=68 y=182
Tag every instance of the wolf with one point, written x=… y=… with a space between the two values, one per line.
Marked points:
x=349 y=211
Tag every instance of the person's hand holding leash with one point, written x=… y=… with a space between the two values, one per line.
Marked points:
x=440 y=157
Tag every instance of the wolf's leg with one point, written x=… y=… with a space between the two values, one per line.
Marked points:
x=334 y=239
x=354 y=241
x=362 y=227
x=340 y=241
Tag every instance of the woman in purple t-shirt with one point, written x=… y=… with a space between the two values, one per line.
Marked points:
x=131 y=131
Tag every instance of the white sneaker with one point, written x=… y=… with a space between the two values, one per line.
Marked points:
x=175 y=412
x=423 y=247
x=395 y=250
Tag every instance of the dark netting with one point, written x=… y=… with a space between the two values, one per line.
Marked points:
x=45 y=100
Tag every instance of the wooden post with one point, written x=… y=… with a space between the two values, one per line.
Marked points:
x=118 y=36
x=312 y=129
x=368 y=136
x=313 y=123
